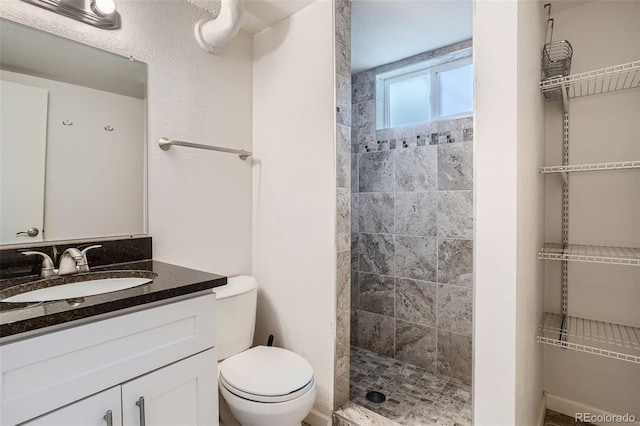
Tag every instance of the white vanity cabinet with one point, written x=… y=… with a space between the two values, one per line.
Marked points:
x=164 y=356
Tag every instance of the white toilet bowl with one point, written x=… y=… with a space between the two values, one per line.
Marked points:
x=267 y=386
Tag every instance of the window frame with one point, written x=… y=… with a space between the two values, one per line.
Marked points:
x=417 y=71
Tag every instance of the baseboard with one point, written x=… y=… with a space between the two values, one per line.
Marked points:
x=317 y=418
x=543 y=410
x=570 y=408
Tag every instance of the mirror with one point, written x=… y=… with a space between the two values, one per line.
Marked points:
x=72 y=141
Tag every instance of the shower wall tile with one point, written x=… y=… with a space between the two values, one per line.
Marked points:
x=455 y=309
x=366 y=132
x=375 y=172
x=375 y=211
x=343 y=228
x=455 y=127
x=367 y=112
x=354 y=289
x=454 y=355
x=376 y=294
x=343 y=331
x=416 y=344
x=343 y=156
x=416 y=213
x=416 y=301
x=376 y=333
x=416 y=257
x=355 y=212
x=467 y=134
x=455 y=214
x=376 y=253
x=343 y=60
x=343 y=26
x=343 y=93
x=343 y=278
x=343 y=116
x=363 y=76
x=365 y=91
x=455 y=161
x=354 y=327
x=354 y=173
x=355 y=253
x=455 y=262
x=416 y=168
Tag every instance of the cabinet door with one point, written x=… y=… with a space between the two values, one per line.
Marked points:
x=181 y=394
x=91 y=411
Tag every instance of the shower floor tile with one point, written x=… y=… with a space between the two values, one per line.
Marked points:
x=414 y=395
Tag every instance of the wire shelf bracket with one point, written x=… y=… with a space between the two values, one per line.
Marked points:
x=596 y=337
x=166 y=144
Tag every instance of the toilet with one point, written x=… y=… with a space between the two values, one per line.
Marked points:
x=263 y=385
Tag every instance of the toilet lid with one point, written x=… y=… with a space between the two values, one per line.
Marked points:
x=266 y=371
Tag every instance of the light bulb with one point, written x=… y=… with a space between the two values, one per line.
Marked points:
x=104 y=7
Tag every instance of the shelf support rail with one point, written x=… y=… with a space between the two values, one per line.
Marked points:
x=565 y=213
x=165 y=144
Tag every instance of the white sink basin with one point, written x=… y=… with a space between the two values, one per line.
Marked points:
x=77 y=290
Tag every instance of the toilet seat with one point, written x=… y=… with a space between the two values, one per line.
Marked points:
x=267 y=374
x=267 y=399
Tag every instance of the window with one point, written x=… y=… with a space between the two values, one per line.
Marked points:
x=422 y=93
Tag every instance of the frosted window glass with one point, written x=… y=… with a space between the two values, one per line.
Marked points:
x=455 y=90
x=409 y=101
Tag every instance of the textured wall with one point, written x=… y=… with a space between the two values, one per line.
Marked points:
x=412 y=225
x=199 y=201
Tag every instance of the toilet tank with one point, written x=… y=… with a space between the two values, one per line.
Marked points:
x=235 y=315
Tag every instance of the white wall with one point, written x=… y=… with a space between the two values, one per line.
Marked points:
x=509 y=212
x=495 y=203
x=199 y=201
x=531 y=201
x=604 y=207
x=94 y=186
x=294 y=251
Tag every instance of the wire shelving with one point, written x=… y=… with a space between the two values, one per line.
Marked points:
x=592 y=167
x=597 y=337
x=605 y=80
x=592 y=254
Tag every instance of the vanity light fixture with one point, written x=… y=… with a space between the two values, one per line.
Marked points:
x=103 y=7
x=98 y=13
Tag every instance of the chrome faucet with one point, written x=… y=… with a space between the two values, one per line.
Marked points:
x=71 y=262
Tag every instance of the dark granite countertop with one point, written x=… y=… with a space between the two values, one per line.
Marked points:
x=171 y=282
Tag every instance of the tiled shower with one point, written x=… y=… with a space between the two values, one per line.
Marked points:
x=412 y=233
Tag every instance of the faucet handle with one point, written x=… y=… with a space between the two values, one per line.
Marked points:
x=47 y=264
x=85 y=250
x=83 y=266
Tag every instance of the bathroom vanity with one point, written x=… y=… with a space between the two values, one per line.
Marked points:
x=144 y=355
